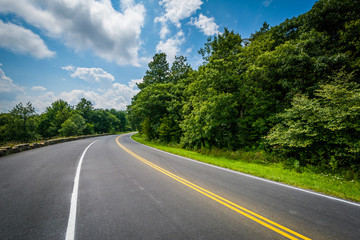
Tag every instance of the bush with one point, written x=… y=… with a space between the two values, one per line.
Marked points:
x=325 y=130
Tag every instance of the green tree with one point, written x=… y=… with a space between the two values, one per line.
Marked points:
x=180 y=69
x=53 y=117
x=20 y=123
x=156 y=110
x=325 y=130
x=73 y=126
x=150 y=105
x=85 y=108
x=104 y=121
x=262 y=30
x=158 y=71
x=121 y=116
x=216 y=81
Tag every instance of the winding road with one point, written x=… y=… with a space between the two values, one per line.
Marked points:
x=114 y=188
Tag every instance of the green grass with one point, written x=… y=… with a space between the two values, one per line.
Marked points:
x=255 y=163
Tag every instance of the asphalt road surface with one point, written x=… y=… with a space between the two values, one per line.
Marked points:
x=113 y=188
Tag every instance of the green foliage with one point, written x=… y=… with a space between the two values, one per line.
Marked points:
x=324 y=130
x=281 y=82
x=104 y=121
x=22 y=124
x=156 y=110
x=85 y=108
x=158 y=71
x=19 y=124
x=53 y=117
x=73 y=126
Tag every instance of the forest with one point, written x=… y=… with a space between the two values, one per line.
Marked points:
x=292 y=90
x=22 y=124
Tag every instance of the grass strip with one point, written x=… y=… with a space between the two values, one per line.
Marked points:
x=333 y=185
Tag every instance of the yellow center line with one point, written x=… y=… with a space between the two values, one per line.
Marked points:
x=239 y=209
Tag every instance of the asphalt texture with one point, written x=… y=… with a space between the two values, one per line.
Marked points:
x=121 y=197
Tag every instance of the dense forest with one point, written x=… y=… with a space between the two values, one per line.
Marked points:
x=291 y=89
x=22 y=123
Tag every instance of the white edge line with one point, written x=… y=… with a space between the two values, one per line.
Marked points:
x=70 y=231
x=252 y=176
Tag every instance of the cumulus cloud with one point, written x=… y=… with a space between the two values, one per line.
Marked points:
x=21 y=40
x=205 y=24
x=87 y=24
x=164 y=27
x=176 y=10
x=39 y=102
x=97 y=75
x=7 y=86
x=38 y=88
x=171 y=46
x=8 y=92
x=133 y=83
x=68 y=68
x=116 y=96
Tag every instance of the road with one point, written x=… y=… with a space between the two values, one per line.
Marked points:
x=129 y=191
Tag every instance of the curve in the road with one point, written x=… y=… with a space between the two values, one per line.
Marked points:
x=290 y=234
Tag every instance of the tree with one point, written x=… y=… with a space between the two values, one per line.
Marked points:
x=73 y=126
x=123 y=122
x=150 y=105
x=22 y=124
x=85 y=108
x=54 y=116
x=180 y=69
x=213 y=101
x=265 y=27
x=156 y=109
x=325 y=130
x=212 y=123
x=158 y=71
x=243 y=87
x=104 y=121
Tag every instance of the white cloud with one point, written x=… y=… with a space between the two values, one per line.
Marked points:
x=39 y=102
x=68 y=68
x=7 y=86
x=205 y=24
x=21 y=40
x=38 y=88
x=164 y=27
x=133 y=83
x=116 y=96
x=8 y=92
x=126 y=4
x=171 y=46
x=267 y=3
x=93 y=75
x=176 y=10
x=87 y=24
x=97 y=75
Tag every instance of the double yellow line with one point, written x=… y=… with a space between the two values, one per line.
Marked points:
x=239 y=209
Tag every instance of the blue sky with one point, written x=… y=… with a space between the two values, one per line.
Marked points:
x=99 y=50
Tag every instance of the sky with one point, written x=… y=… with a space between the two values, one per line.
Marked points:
x=100 y=49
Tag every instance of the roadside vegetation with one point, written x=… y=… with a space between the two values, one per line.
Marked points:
x=23 y=125
x=265 y=165
x=290 y=94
